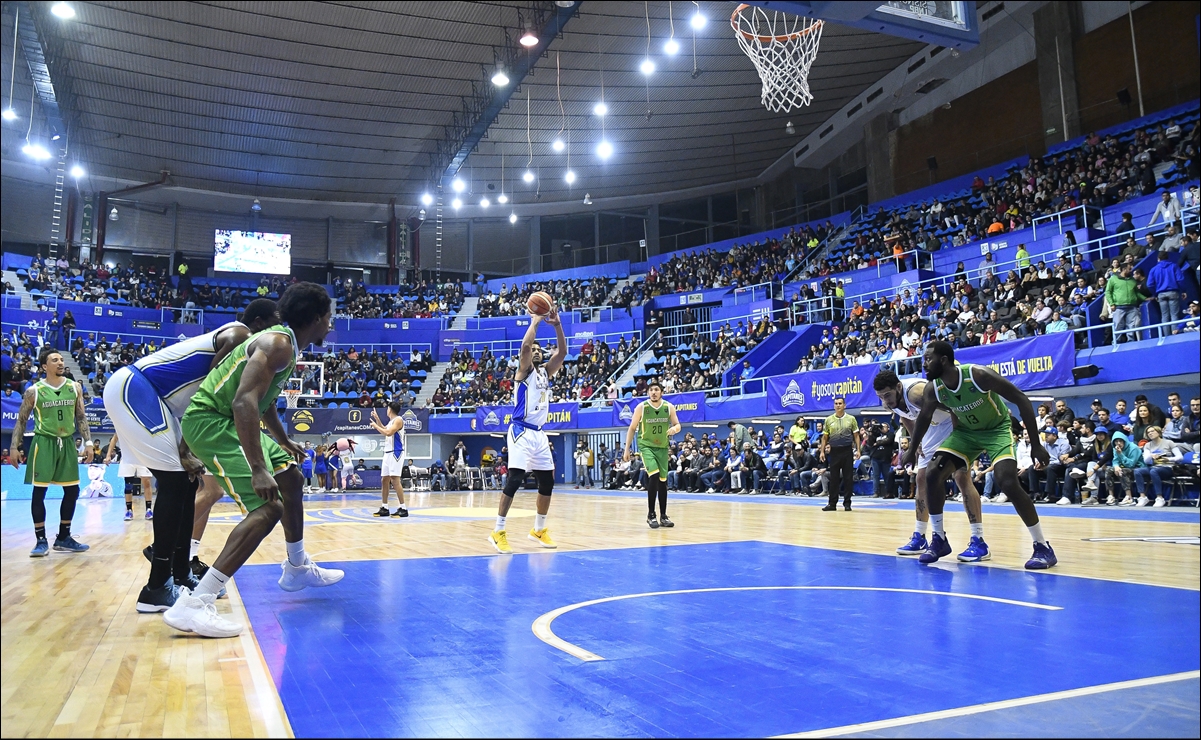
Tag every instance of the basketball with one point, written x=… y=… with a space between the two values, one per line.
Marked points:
x=540 y=303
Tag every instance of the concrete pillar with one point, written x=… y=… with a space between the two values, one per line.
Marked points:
x=470 y=246
x=652 y=231
x=535 y=245
x=1056 y=25
x=879 y=159
x=596 y=259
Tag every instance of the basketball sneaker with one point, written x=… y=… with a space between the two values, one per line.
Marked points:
x=542 y=537
x=299 y=577
x=383 y=511
x=192 y=583
x=129 y=515
x=401 y=512
x=916 y=545
x=199 y=567
x=198 y=614
x=1090 y=501
x=41 y=549
x=69 y=544
x=665 y=522
x=1043 y=557
x=829 y=507
x=651 y=521
x=500 y=540
x=160 y=599
x=977 y=550
x=148 y=553
x=939 y=548
x=1000 y=498
x=150 y=513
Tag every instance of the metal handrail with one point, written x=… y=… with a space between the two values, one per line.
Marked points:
x=1058 y=216
x=512 y=346
x=824 y=245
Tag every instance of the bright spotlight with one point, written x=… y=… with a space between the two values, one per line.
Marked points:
x=558 y=145
x=500 y=79
x=484 y=202
x=458 y=185
x=604 y=150
x=512 y=218
x=528 y=39
x=647 y=67
x=62 y=10
x=600 y=108
x=427 y=199
x=37 y=151
x=527 y=176
x=502 y=199
x=9 y=114
x=671 y=47
x=77 y=172
x=698 y=20
x=456 y=204
x=569 y=177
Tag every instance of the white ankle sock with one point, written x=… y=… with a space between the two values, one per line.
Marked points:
x=936 y=525
x=978 y=530
x=212 y=583
x=540 y=522
x=295 y=552
x=195 y=549
x=1036 y=533
x=922 y=528
x=500 y=524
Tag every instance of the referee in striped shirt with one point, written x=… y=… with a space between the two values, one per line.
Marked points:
x=840 y=444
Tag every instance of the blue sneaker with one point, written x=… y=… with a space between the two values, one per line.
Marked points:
x=152 y=600
x=939 y=548
x=977 y=550
x=128 y=515
x=41 y=549
x=69 y=545
x=1043 y=557
x=917 y=544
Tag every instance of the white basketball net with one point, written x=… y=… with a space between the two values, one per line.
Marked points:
x=783 y=47
x=291 y=398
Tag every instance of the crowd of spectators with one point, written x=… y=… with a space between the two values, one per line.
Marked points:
x=1100 y=172
x=693 y=357
x=373 y=378
x=421 y=301
x=568 y=294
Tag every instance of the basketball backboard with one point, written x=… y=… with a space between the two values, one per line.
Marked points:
x=944 y=22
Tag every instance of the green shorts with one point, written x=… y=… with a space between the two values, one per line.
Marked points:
x=967 y=444
x=52 y=461
x=655 y=460
x=213 y=438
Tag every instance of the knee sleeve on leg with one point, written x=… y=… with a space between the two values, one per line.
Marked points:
x=546 y=481
x=131 y=485
x=66 y=510
x=37 y=506
x=514 y=481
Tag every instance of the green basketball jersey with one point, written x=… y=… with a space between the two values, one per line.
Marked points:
x=54 y=409
x=216 y=393
x=976 y=409
x=652 y=432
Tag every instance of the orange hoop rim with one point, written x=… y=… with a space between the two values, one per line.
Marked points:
x=817 y=24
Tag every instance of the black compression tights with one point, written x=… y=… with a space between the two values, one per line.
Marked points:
x=66 y=510
x=656 y=488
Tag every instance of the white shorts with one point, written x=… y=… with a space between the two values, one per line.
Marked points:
x=149 y=433
x=132 y=470
x=347 y=469
x=391 y=465
x=529 y=449
x=935 y=436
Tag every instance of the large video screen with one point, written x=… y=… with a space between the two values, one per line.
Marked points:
x=252 y=251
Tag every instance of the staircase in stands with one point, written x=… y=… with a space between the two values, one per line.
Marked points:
x=432 y=380
x=12 y=279
x=466 y=311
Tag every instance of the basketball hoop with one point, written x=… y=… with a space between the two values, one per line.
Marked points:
x=291 y=397
x=782 y=47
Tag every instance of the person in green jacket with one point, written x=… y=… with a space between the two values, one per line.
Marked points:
x=1124 y=295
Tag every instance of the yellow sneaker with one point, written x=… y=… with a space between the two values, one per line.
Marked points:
x=500 y=541
x=542 y=537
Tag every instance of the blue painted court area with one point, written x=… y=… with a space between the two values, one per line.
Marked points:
x=445 y=646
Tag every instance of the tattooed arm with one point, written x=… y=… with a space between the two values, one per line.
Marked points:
x=81 y=424
x=27 y=402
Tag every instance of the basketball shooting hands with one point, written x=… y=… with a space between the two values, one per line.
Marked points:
x=552 y=318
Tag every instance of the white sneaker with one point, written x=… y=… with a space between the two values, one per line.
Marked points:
x=711 y=491
x=1128 y=501
x=1143 y=501
x=319 y=490
x=1159 y=503
x=297 y=577
x=1090 y=486
x=1065 y=501
x=1000 y=498
x=199 y=614
x=1077 y=473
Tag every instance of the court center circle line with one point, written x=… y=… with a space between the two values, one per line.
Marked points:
x=542 y=629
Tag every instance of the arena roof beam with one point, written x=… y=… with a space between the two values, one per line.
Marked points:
x=36 y=53
x=480 y=110
x=951 y=24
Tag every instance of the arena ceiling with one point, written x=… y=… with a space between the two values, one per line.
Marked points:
x=347 y=100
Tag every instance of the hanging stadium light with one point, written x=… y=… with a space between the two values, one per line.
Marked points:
x=512 y=218
x=77 y=172
x=569 y=177
x=647 y=67
x=502 y=199
x=527 y=176
x=600 y=108
x=458 y=185
x=427 y=199
x=63 y=10
x=456 y=204
x=558 y=145
x=500 y=79
x=604 y=150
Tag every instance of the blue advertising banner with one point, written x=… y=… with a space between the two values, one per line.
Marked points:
x=10 y=406
x=349 y=421
x=497 y=418
x=690 y=408
x=1030 y=364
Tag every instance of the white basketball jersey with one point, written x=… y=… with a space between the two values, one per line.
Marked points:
x=911 y=413
x=177 y=371
x=532 y=404
x=394 y=444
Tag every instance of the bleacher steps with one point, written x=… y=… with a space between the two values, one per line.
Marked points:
x=12 y=279
x=432 y=380
x=466 y=311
